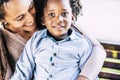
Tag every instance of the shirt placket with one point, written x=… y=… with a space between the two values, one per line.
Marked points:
x=52 y=61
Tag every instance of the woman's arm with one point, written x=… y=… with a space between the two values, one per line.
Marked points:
x=95 y=62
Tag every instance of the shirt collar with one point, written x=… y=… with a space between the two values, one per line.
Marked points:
x=43 y=33
x=72 y=36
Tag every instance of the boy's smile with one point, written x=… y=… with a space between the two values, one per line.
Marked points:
x=58 y=17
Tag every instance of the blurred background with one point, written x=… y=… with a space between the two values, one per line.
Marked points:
x=101 y=18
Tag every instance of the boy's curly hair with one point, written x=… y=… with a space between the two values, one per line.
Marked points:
x=76 y=7
x=41 y=4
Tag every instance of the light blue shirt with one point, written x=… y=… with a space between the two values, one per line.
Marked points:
x=48 y=59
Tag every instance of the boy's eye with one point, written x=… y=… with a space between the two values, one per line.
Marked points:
x=51 y=14
x=20 y=17
x=64 y=14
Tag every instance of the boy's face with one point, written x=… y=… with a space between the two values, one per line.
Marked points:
x=58 y=17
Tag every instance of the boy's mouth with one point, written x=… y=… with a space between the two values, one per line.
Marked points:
x=59 y=27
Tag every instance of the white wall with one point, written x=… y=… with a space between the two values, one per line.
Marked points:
x=101 y=18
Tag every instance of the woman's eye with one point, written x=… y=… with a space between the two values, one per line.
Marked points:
x=20 y=17
x=64 y=14
x=51 y=14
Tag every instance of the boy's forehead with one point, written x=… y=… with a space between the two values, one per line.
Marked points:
x=58 y=4
x=66 y=2
x=57 y=0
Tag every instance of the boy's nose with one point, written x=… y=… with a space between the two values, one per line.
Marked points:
x=60 y=19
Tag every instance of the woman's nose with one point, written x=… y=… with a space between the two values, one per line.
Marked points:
x=29 y=18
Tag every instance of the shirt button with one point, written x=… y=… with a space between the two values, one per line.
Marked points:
x=54 y=54
x=50 y=76
x=51 y=59
x=52 y=64
x=57 y=43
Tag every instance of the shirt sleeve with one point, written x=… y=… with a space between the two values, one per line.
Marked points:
x=85 y=52
x=25 y=64
x=94 y=64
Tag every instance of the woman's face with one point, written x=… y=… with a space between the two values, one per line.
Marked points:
x=20 y=15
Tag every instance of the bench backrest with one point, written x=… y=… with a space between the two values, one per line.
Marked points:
x=111 y=67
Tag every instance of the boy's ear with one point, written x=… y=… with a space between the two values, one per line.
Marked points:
x=43 y=21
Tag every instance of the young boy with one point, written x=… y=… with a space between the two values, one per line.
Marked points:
x=55 y=53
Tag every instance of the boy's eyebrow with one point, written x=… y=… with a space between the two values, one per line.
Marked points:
x=51 y=10
x=64 y=9
x=54 y=10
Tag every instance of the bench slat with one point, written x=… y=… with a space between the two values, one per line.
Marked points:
x=109 y=76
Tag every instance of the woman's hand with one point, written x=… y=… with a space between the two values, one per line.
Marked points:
x=81 y=77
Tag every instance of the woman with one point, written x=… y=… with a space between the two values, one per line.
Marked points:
x=18 y=25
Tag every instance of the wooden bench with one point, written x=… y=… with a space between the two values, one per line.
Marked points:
x=111 y=67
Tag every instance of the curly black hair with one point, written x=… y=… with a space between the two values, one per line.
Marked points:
x=41 y=4
x=76 y=7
